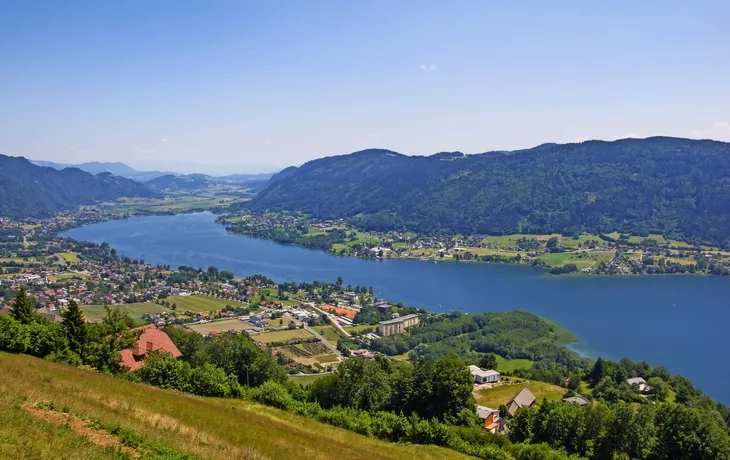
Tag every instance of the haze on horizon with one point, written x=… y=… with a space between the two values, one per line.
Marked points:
x=228 y=87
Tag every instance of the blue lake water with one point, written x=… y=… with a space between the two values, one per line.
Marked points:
x=678 y=321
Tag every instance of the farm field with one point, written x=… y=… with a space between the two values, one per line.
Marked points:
x=283 y=336
x=494 y=397
x=211 y=426
x=95 y=313
x=225 y=325
x=489 y=252
x=200 y=303
x=581 y=260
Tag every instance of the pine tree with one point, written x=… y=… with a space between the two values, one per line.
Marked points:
x=74 y=327
x=23 y=308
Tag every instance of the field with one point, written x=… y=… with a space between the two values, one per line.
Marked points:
x=329 y=333
x=95 y=313
x=309 y=354
x=490 y=252
x=494 y=397
x=581 y=260
x=206 y=428
x=305 y=379
x=361 y=328
x=69 y=257
x=283 y=336
x=220 y=326
x=508 y=365
x=200 y=303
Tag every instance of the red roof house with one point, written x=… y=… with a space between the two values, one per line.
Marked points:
x=150 y=339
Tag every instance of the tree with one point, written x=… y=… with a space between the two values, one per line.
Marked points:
x=74 y=327
x=445 y=388
x=488 y=361
x=174 y=306
x=22 y=307
x=340 y=281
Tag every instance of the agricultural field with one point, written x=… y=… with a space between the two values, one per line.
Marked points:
x=200 y=303
x=95 y=313
x=283 y=336
x=511 y=240
x=502 y=394
x=311 y=353
x=489 y=252
x=279 y=322
x=581 y=260
x=225 y=325
x=184 y=426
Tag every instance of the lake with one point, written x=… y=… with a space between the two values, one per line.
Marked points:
x=677 y=321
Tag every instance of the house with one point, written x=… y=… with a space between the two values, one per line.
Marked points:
x=524 y=398
x=483 y=376
x=397 y=325
x=576 y=400
x=640 y=383
x=490 y=418
x=383 y=307
x=151 y=339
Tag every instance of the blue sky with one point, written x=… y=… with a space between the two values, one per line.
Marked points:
x=234 y=86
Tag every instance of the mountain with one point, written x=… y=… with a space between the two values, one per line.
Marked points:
x=677 y=187
x=116 y=168
x=30 y=190
x=171 y=183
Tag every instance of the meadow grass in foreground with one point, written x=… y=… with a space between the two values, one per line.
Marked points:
x=201 y=427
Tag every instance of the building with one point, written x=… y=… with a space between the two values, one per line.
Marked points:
x=483 y=376
x=524 y=398
x=640 y=383
x=490 y=418
x=576 y=400
x=151 y=339
x=383 y=307
x=397 y=325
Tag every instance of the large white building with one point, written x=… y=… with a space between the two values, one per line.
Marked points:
x=483 y=376
x=397 y=325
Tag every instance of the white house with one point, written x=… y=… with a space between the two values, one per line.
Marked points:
x=640 y=383
x=483 y=376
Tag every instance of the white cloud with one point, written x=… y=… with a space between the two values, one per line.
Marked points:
x=165 y=140
x=427 y=68
x=718 y=131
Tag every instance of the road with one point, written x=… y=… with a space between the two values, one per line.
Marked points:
x=332 y=320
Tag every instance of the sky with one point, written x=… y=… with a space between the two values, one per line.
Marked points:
x=229 y=86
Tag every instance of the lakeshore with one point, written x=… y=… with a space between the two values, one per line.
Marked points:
x=613 y=316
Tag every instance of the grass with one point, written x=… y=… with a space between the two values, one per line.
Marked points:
x=361 y=327
x=220 y=326
x=494 y=397
x=509 y=365
x=283 y=336
x=329 y=333
x=490 y=252
x=275 y=322
x=206 y=428
x=200 y=303
x=305 y=379
x=69 y=257
x=95 y=313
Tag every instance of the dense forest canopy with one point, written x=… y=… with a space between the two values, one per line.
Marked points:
x=27 y=190
x=671 y=186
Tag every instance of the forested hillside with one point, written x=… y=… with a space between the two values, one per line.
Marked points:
x=30 y=190
x=671 y=186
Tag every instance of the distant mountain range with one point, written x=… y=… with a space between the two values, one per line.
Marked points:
x=172 y=183
x=677 y=187
x=28 y=190
x=95 y=167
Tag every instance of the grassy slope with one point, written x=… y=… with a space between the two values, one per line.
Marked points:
x=136 y=310
x=206 y=427
x=502 y=394
x=507 y=365
x=200 y=303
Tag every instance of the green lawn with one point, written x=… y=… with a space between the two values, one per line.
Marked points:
x=494 y=397
x=509 y=365
x=361 y=327
x=200 y=303
x=329 y=333
x=220 y=326
x=95 y=313
x=69 y=257
x=305 y=379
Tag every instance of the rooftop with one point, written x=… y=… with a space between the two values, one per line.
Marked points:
x=399 y=319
